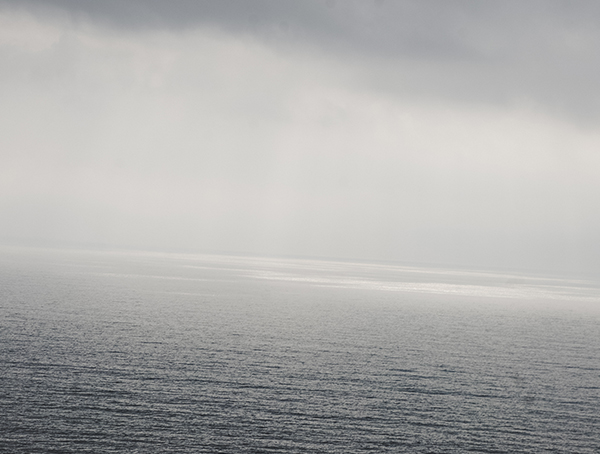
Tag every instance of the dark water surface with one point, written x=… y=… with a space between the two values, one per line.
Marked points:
x=123 y=352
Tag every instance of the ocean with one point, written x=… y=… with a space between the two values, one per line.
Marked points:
x=135 y=352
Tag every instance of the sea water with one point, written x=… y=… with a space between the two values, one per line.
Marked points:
x=159 y=353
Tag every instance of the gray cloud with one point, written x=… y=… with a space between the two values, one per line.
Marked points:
x=458 y=132
x=539 y=52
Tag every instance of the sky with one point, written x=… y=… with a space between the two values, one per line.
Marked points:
x=450 y=132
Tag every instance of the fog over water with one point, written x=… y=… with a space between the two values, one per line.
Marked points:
x=447 y=132
x=299 y=226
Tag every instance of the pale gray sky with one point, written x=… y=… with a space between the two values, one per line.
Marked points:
x=460 y=132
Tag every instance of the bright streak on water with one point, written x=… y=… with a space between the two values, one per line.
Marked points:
x=143 y=352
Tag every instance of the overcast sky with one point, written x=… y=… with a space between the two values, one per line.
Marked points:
x=450 y=132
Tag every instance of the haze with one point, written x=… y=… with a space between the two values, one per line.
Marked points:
x=452 y=132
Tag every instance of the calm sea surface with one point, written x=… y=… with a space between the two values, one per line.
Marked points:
x=154 y=353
